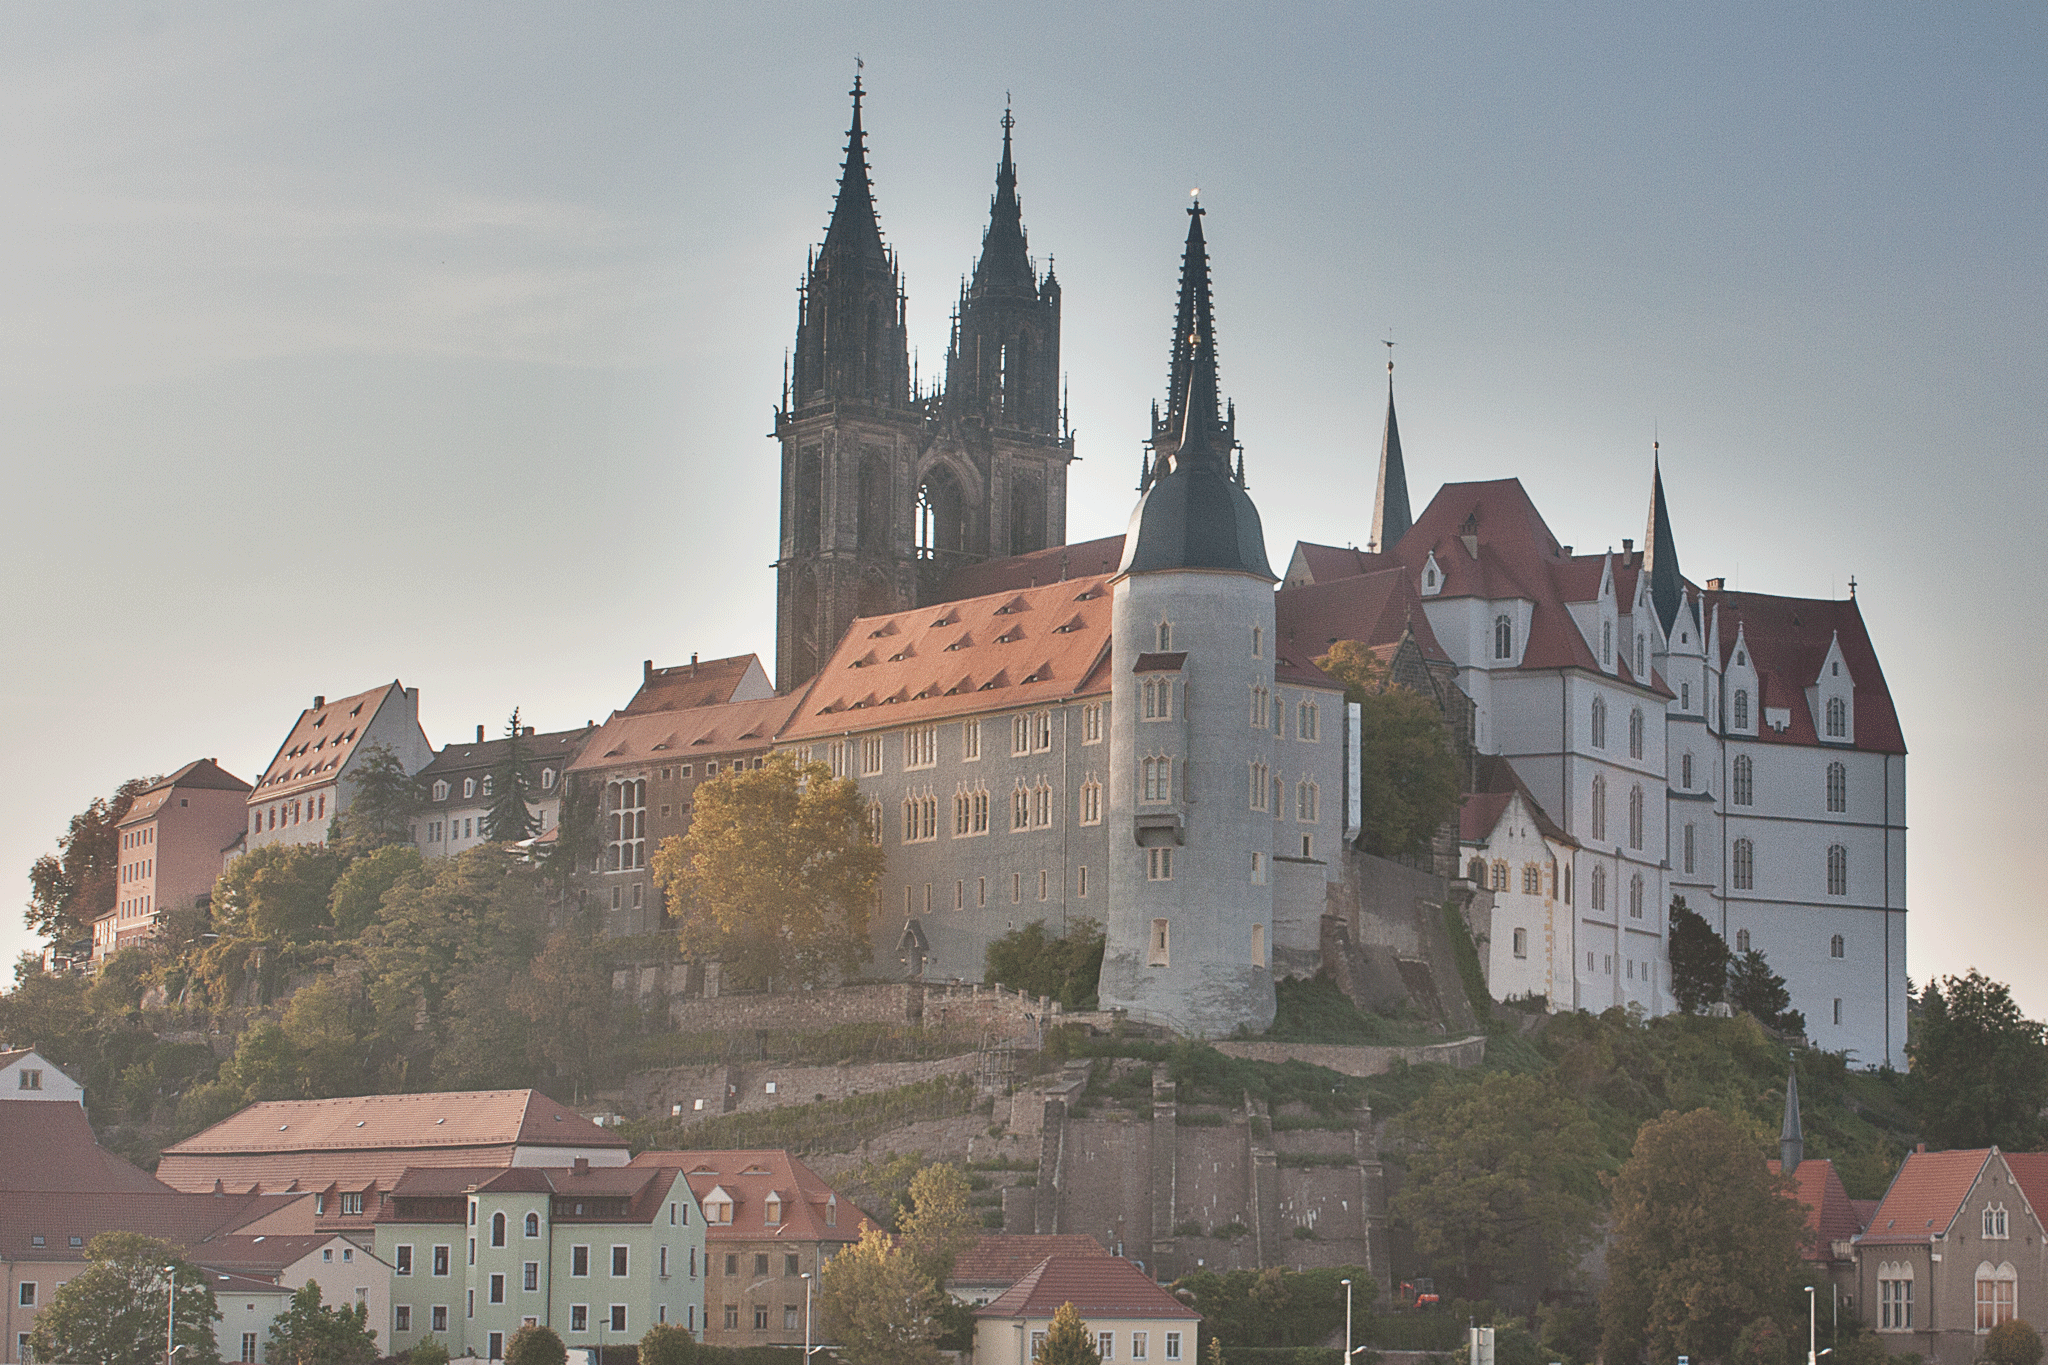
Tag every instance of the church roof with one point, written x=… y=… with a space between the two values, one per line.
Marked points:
x=1058 y=564
x=1788 y=639
x=1005 y=263
x=854 y=233
x=1660 y=554
x=1390 y=515
x=1372 y=608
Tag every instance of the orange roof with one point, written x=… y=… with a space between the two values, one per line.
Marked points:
x=50 y=1148
x=1084 y=559
x=1830 y=1214
x=201 y=774
x=462 y=1118
x=683 y=687
x=1788 y=640
x=1372 y=608
x=750 y=1178
x=1099 y=1286
x=323 y=738
x=1001 y=1259
x=1926 y=1195
x=1031 y=647
x=678 y=736
x=67 y=1222
x=2030 y=1173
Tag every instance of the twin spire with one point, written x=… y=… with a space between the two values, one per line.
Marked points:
x=854 y=231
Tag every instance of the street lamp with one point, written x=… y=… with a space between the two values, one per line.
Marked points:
x=1347 y=1320
x=807 y=1317
x=170 y=1315
x=1809 y=1326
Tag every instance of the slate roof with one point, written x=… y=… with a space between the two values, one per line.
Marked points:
x=321 y=740
x=1033 y=647
x=1001 y=1259
x=49 y=1147
x=1925 y=1196
x=680 y=736
x=1788 y=640
x=683 y=687
x=1099 y=1286
x=1830 y=1213
x=556 y=749
x=749 y=1177
x=1084 y=559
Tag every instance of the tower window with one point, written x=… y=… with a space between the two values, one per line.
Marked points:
x=1503 y=637
x=1157 y=954
x=1838 y=787
x=1635 y=816
x=1159 y=864
x=1685 y=771
x=1156 y=780
x=1158 y=698
x=1837 y=947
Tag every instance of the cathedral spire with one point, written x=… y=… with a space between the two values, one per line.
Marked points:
x=854 y=232
x=1390 y=516
x=1192 y=425
x=1004 y=262
x=1791 y=1137
x=1660 y=553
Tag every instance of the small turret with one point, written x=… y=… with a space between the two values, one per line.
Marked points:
x=1390 y=515
x=1791 y=1139
x=1660 y=553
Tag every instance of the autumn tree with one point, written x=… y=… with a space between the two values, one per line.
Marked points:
x=74 y=886
x=1067 y=1341
x=1408 y=776
x=1500 y=1181
x=1699 y=960
x=310 y=1333
x=511 y=818
x=382 y=800
x=1705 y=1242
x=940 y=1224
x=776 y=875
x=877 y=1306
x=1755 y=989
x=1980 y=1066
x=115 y=1311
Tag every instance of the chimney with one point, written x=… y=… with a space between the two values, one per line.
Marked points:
x=1628 y=552
x=582 y=1165
x=318 y=701
x=479 y=734
x=646 y=671
x=528 y=732
x=693 y=663
x=1716 y=584
x=1921 y=1149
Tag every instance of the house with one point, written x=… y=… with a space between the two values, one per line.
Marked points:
x=1513 y=849
x=1833 y=1220
x=769 y=1222
x=1955 y=1248
x=995 y=1262
x=1129 y=1316
x=170 y=842
x=306 y=786
x=28 y=1076
x=456 y=787
x=598 y=1253
x=348 y=1153
x=346 y=1269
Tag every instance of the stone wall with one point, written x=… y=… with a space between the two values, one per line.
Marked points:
x=995 y=1011
x=1360 y=1060
x=740 y=1087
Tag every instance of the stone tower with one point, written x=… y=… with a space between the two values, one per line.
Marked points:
x=1190 y=915
x=887 y=488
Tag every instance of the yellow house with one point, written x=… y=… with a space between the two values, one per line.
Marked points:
x=1130 y=1317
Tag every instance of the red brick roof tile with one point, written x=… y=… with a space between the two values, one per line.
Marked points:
x=1925 y=1196
x=49 y=1147
x=1788 y=640
x=1099 y=1286
x=750 y=1177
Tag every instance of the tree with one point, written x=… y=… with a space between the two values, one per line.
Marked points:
x=1067 y=1341
x=535 y=1345
x=1274 y=1307
x=1980 y=1066
x=382 y=800
x=776 y=874
x=327 y=1023
x=940 y=1224
x=1408 y=777
x=667 y=1344
x=74 y=886
x=427 y=1351
x=1500 y=1182
x=511 y=816
x=1755 y=989
x=1705 y=1242
x=877 y=1306
x=309 y=1333
x=2012 y=1342
x=1699 y=960
x=114 y=1312
x=278 y=894
x=1065 y=968
x=567 y=995
x=358 y=893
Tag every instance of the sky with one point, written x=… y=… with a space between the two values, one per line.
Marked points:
x=433 y=341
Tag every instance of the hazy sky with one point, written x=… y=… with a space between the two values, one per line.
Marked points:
x=349 y=342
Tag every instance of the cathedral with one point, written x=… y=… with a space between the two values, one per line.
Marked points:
x=1134 y=729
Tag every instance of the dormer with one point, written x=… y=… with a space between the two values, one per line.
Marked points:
x=1742 y=702
x=1606 y=641
x=1432 y=577
x=1832 y=695
x=718 y=1206
x=771 y=1210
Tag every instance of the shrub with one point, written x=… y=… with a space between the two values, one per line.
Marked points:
x=2013 y=1342
x=535 y=1346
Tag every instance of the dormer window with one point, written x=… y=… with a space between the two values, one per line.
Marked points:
x=547 y=779
x=1742 y=708
x=771 y=1210
x=1607 y=644
x=1838 y=718
x=468 y=788
x=487 y=783
x=440 y=791
x=1503 y=637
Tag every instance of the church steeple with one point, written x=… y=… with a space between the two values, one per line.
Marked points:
x=854 y=233
x=1193 y=429
x=1004 y=262
x=1791 y=1137
x=1390 y=516
x=1660 y=552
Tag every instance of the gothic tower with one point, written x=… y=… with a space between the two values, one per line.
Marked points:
x=850 y=429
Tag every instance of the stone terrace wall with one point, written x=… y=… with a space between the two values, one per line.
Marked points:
x=1358 y=1059
x=996 y=1011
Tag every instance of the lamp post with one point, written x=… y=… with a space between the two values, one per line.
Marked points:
x=1810 y=1343
x=1347 y=1320
x=171 y=1315
x=807 y=1317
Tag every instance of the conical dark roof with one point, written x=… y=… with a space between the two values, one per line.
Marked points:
x=1004 y=263
x=1660 y=553
x=854 y=233
x=1390 y=515
x=1791 y=1136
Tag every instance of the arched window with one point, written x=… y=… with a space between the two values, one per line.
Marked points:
x=1532 y=879
x=1635 y=732
x=1500 y=875
x=1685 y=771
x=1838 y=870
x=1998 y=1293
x=497 y=1229
x=468 y=788
x=1838 y=718
x=1745 y=781
x=1477 y=872
x=1599 y=888
x=1635 y=896
x=1607 y=644
x=1837 y=947
x=1521 y=943
x=1599 y=722
x=1895 y=1296
x=1742 y=708
x=1503 y=638
x=1641 y=672
x=533 y=1225
x=941 y=519
x=1027 y=513
x=1599 y=806
x=1742 y=940
x=1995 y=1225
x=1308 y=802
x=1745 y=865
x=1838 y=787
x=1635 y=817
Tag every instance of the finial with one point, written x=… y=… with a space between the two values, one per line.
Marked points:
x=858 y=67
x=1852 y=587
x=1390 y=360
x=1195 y=208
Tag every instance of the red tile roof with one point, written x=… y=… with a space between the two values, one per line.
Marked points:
x=1031 y=647
x=2030 y=1172
x=1788 y=640
x=1085 y=559
x=1099 y=1286
x=1925 y=1196
x=683 y=687
x=187 y=1219
x=1328 y=563
x=1001 y=1259
x=1830 y=1214
x=750 y=1177
x=1372 y=608
x=321 y=740
x=1495 y=784
x=681 y=736
x=49 y=1147
x=201 y=774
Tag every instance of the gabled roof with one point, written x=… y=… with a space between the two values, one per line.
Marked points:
x=711 y=682
x=1099 y=1286
x=643 y=1187
x=1788 y=639
x=1084 y=559
x=186 y=1219
x=1830 y=1214
x=201 y=774
x=1002 y=1259
x=1373 y=608
x=680 y=736
x=322 y=739
x=1926 y=1195
x=1033 y=647
x=749 y=1177
x=1495 y=784
x=50 y=1148
x=264 y=1255
x=1314 y=563
x=2030 y=1172
x=463 y=1118
x=556 y=749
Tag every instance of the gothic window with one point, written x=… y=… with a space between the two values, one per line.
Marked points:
x=921 y=746
x=1742 y=940
x=1838 y=870
x=1041 y=731
x=870 y=756
x=963 y=813
x=1838 y=718
x=1607 y=644
x=1635 y=817
x=626 y=825
x=872 y=532
x=1476 y=872
x=1599 y=888
x=1599 y=806
x=1567 y=884
x=920 y=819
x=1995 y=1225
x=970 y=740
x=1308 y=801
x=1641 y=672
x=1599 y=722
x=1635 y=732
x=1091 y=803
x=1020 y=808
x=1156 y=780
x=1997 y=1295
x=1635 y=896
x=874 y=822
x=1742 y=708
x=1020 y=734
x=1260 y=700
x=1165 y=637
x=1159 y=866
x=1258 y=641
x=809 y=499
x=1503 y=637
x=1027 y=514
x=1532 y=879
x=1745 y=866
x=1838 y=787
x=941 y=516
x=1041 y=805
x=1838 y=947
x=1689 y=857
x=1259 y=777
x=1091 y=723
x=1745 y=781
x=1307 y=721
x=1500 y=874
x=1158 y=698
x=1685 y=771
x=1685 y=696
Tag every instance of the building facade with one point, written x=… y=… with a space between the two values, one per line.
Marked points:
x=305 y=787
x=170 y=846
x=456 y=788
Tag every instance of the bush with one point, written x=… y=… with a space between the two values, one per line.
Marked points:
x=535 y=1346
x=2012 y=1342
x=427 y=1351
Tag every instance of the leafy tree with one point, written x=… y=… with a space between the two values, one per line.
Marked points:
x=776 y=874
x=567 y=995
x=309 y=1333
x=511 y=816
x=1755 y=989
x=1408 y=776
x=666 y=1344
x=123 y=978
x=358 y=893
x=74 y=886
x=114 y=1312
x=382 y=800
x=277 y=894
x=427 y=1351
x=1500 y=1181
x=578 y=838
x=940 y=1224
x=1276 y=1306
x=2012 y=1342
x=326 y=1024
x=1705 y=1242
x=535 y=1345
x=877 y=1306
x=1063 y=968
x=1068 y=1341
x=1980 y=1066
x=1699 y=960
